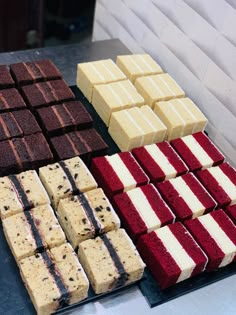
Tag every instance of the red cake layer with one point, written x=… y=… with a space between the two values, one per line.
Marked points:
x=181 y=204
x=6 y=80
x=130 y=216
x=208 y=242
x=231 y=211
x=109 y=180
x=10 y=99
x=194 y=161
x=161 y=261
x=153 y=169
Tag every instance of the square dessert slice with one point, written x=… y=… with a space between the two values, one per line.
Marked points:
x=58 y=119
x=216 y=234
x=171 y=254
x=21 y=192
x=118 y=173
x=220 y=181
x=134 y=127
x=92 y=73
x=26 y=121
x=138 y=65
x=32 y=231
x=160 y=161
x=6 y=80
x=186 y=196
x=231 y=211
x=85 y=143
x=115 y=96
x=198 y=151
x=66 y=178
x=47 y=93
x=9 y=127
x=110 y=261
x=10 y=99
x=86 y=216
x=30 y=72
x=60 y=274
x=142 y=210
x=159 y=87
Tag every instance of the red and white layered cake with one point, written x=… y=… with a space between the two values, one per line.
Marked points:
x=142 y=210
x=118 y=173
x=186 y=196
x=171 y=254
x=216 y=234
x=231 y=211
x=198 y=151
x=160 y=161
x=220 y=181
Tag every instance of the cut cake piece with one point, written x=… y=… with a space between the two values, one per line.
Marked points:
x=216 y=234
x=66 y=178
x=142 y=210
x=171 y=254
x=10 y=99
x=160 y=161
x=60 y=274
x=110 y=261
x=6 y=80
x=231 y=211
x=86 y=216
x=186 y=196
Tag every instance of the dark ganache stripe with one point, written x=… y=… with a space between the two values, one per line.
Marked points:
x=20 y=192
x=119 y=266
x=65 y=295
x=35 y=232
x=75 y=190
x=89 y=211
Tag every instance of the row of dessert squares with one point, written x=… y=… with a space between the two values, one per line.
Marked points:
x=137 y=101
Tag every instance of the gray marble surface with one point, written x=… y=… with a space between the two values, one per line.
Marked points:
x=215 y=299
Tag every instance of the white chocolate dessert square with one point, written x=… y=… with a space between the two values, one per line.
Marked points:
x=66 y=178
x=134 y=66
x=160 y=87
x=32 y=231
x=112 y=97
x=53 y=278
x=92 y=73
x=86 y=216
x=21 y=192
x=110 y=261
x=136 y=127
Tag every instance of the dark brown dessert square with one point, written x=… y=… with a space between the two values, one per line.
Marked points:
x=10 y=99
x=6 y=80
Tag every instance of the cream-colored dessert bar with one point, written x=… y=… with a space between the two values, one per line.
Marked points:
x=53 y=278
x=138 y=65
x=66 y=178
x=160 y=87
x=21 y=192
x=110 y=261
x=181 y=116
x=32 y=231
x=136 y=127
x=112 y=97
x=86 y=216
x=92 y=73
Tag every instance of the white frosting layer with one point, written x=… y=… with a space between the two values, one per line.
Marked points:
x=178 y=253
x=172 y=92
x=134 y=122
x=122 y=171
x=220 y=237
x=98 y=73
x=116 y=95
x=155 y=85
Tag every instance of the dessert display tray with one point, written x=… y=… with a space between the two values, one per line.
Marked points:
x=15 y=299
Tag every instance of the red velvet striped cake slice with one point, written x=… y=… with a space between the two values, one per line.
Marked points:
x=186 y=196
x=118 y=173
x=216 y=234
x=142 y=210
x=198 y=151
x=220 y=181
x=160 y=161
x=231 y=211
x=171 y=254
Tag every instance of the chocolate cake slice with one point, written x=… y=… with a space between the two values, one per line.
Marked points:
x=58 y=119
x=6 y=80
x=10 y=99
x=10 y=161
x=30 y=72
x=47 y=93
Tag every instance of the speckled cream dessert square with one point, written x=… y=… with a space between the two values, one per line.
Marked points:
x=66 y=178
x=110 y=261
x=86 y=216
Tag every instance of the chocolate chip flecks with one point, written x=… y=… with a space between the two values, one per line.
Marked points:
x=108 y=208
x=76 y=175
x=59 y=187
x=66 y=191
x=6 y=208
x=84 y=220
x=97 y=209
